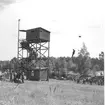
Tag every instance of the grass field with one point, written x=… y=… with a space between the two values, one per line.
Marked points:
x=54 y=92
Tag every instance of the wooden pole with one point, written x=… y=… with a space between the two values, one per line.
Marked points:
x=18 y=38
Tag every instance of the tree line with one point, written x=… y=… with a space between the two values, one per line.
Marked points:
x=61 y=66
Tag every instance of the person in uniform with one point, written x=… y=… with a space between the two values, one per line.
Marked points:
x=15 y=76
x=22 y=77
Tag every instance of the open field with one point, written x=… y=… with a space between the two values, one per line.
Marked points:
x=54 y=92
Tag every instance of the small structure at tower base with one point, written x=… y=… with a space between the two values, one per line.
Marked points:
x=38 y=74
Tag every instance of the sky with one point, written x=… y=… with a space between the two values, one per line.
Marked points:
x=65 y=19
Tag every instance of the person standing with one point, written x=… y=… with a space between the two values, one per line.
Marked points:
x=10 y=75
x=15 y=76
x=22 y=77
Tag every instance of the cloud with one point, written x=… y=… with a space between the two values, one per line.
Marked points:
x=4 y=3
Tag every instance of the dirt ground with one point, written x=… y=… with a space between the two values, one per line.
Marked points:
x=54 y=92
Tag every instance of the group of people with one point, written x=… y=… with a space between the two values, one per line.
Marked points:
x=17 y=76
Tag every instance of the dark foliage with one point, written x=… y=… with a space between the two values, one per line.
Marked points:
x=60 y=67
